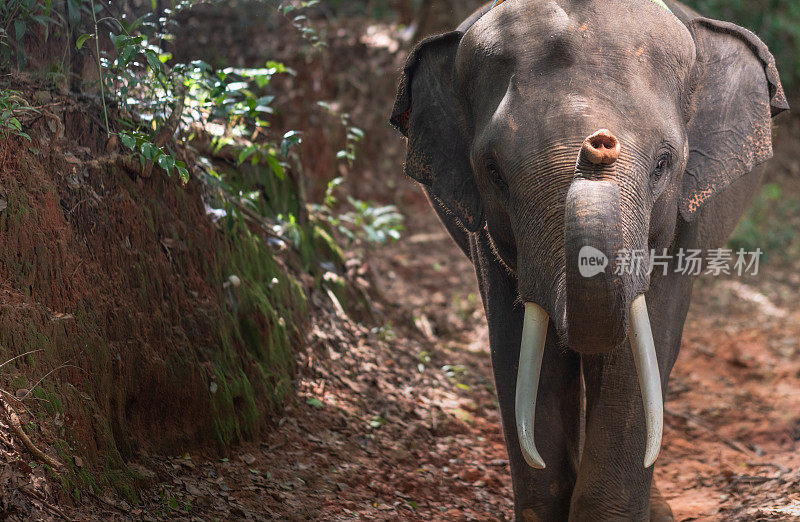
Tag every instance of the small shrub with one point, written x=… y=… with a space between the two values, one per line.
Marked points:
x=12 y=107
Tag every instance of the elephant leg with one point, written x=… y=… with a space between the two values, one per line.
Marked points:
x=659 y=508
x=543 y=494
x=538 y=494
x=672 y=295
x=612 y=481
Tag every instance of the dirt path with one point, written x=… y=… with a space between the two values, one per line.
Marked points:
x=733 y=411
x=731 y=429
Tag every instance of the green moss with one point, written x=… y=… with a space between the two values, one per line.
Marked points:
x=19 y=381
x=109 y=471
x=124 y=483
x=236 y=409
x=256 y=362
x=147 y=216
x=50 y=402
x=74 y=479
x=326 y=247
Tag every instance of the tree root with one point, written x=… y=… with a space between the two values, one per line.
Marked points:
x=128 y=162
x=16 y=425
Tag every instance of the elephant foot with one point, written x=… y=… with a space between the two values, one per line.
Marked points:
x=659 y=508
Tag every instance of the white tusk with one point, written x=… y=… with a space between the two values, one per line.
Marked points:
x=531 y=352
x=644 y=357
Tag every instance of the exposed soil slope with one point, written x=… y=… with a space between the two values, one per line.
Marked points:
x=114 y=292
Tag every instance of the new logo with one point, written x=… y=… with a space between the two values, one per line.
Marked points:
x=591 y=261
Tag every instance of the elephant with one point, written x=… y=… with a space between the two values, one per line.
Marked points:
x=551 y=136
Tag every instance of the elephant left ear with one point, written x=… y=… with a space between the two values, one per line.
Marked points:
x=737 y=92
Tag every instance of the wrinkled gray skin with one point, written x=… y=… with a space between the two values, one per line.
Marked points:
x=495 y=114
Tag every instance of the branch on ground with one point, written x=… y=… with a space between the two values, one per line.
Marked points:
x=16 y=425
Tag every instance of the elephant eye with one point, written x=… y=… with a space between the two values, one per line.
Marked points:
x=494 y=173
x=662 y=164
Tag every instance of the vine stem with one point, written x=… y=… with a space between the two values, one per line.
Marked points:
x=100 y=69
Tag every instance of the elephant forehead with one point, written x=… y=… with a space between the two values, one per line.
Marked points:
x=622 y=40
x=530 y=114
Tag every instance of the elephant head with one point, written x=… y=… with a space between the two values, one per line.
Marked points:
x=569 y=127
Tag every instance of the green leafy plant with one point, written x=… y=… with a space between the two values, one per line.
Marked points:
x=18 y=19
x=294 y=12
x=141 y=84
x=237 y=102
x=457 y=373
x=353 y=134
x=144 y=88
x=423 y=360
x=313 y=401
x=364 y=222
x=377 y=422
x=12 y=107
x=147 y=151
x=374 y=224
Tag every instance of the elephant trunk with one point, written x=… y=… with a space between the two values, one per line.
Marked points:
x=595 y=296
x=599 y=301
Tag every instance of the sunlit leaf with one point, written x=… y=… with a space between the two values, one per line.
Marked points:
x=166 y=162
x=276 y=166
x=149 y=150
x=82 y=39
x=128 y=140
x=290 y=139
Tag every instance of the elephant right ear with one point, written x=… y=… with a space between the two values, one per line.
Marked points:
x=427 y=112
x=736 y=93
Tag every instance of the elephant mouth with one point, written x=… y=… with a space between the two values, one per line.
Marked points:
x=534 y=337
